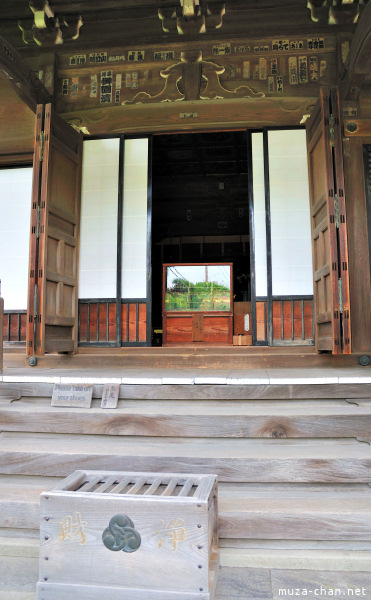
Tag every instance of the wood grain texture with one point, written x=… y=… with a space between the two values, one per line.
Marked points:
x=288 y=521
x=160 y=563
x=19 y=573
x=246 y=511
x=232 y=460
x=209 y=391
x=358 y=246
x=321 y=170
x=55 y=591
x=294 y=419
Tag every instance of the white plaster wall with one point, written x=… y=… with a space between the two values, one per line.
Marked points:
x=290 y=213
x=15 y=214
x=259 y=215
x=98 y=233
x=134 y=222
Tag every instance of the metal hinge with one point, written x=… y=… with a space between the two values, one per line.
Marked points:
x=340 y=295
x=42 y=146
x=35 y=301
x=332 y=128
x=337 y=211
x=38 y=223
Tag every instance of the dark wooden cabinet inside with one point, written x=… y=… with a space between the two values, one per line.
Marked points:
x=197 y=304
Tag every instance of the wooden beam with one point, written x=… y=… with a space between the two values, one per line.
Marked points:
x=25 y=82
x=358 y=65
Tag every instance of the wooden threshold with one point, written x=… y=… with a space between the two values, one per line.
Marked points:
x=185 y=358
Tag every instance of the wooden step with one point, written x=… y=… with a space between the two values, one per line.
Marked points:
x=246 y=511
x=295 y=512
x=187 y=418
x=329 y=570
x=188 y=357
x=241 y=388
x=234 y=460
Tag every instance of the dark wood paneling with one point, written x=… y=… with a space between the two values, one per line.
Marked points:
x=292 y=320
x=178 y=330
x=142 y=324
x=218 y=330
x=14 y=326
x=359 y=271
x=54 y=236
x=124 y=322
x=83 y=322
x=132 y=322
x=198 y=327
x=93 y=325
x=97 y=322
x=261 y=321
x=323 y=222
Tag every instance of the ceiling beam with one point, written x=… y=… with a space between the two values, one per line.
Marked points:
x=25 y=82
x=358 y=64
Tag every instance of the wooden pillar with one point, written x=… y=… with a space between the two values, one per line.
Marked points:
x=359 y=269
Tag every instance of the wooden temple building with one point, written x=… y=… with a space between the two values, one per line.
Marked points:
x=185 y=210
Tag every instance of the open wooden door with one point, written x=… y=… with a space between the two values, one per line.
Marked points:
x=328 y=222
x=52 y=297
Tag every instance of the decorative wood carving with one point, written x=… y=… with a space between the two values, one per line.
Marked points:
x=25 y=82
x=48 y=28
x=183 y=81
x=192 y=17
x=358 y=62
x=340 y=12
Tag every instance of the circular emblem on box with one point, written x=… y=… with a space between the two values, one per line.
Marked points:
x=121 y=535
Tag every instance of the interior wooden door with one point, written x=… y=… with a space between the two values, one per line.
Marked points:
x=52 y=303
x=328 y=222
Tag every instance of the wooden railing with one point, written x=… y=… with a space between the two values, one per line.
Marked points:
x=14 y=327
x=99 y=326
x=291 y=320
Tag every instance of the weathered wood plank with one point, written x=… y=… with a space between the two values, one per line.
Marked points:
x=52 y=591
x=211 y=391
x=188 y=418
x=19 y=573
x=158 y=565
x=284 y=522
x=232 y=460
x=341 y=584
x=246 y=512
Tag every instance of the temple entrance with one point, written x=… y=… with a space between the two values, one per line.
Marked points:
x=200 y=215
x=236 y=198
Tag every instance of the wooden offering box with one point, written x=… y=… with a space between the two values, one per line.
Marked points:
x=138 y=536
x=197 y=304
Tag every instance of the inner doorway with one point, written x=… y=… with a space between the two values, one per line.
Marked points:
x=200 y=208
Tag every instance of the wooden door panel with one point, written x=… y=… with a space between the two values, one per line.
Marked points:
x=328 y=248
x=56 y=258
x=341 y=220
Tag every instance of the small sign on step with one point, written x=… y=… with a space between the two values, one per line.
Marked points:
x=77 y=395
x=110 y=395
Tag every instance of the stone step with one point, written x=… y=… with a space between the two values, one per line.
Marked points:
x=190 y=418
